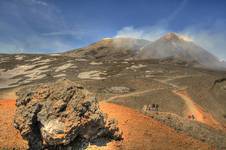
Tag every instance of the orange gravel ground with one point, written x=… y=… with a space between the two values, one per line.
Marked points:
x=9 y=137
x=139 y=131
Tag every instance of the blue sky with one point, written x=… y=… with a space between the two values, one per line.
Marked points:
x=40 y=26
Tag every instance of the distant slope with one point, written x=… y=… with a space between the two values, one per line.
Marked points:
x=110 y=48
x=172 y=45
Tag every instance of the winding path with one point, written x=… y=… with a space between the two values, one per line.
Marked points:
x=192 y=108
x=133 y=94
x=197 y=111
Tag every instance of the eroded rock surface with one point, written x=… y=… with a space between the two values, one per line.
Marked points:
x=61 y=115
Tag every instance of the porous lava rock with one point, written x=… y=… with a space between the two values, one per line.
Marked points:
x=60 y=115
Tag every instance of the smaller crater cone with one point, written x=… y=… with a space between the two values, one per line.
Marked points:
x=171 y=37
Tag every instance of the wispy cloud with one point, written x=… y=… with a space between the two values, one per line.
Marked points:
x=174 y=14
x=40 y=2
x=35 y=44
x=77 y=33
x=35 y=2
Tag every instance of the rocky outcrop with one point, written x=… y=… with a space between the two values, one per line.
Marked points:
x=61 y=115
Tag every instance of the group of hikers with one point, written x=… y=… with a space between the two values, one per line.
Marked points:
x=153 y=107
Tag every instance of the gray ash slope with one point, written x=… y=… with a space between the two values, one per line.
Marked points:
x=118 y=48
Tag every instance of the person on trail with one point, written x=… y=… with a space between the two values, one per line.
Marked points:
x=153 y=107
x=157 y=107
x=189 y=117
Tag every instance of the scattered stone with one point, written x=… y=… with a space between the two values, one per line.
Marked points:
x=36 y=59
x=64 y=67
x=54 y=54
x=95 y=75
x=43 y=61
x=133 y=67
x=81 y=59
x=19 y=57
x=61 y=115
x=96 y=63
x=60 y=75
x=119 y=90
x=224 y=87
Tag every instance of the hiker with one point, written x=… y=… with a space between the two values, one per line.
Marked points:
x=157 y=107
x=189 y=117
x=153 y=107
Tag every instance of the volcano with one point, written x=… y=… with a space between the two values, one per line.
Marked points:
x=178 y=47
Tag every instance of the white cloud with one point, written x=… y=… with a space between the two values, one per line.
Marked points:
x=38 y=2
x=148 y=33
x=75 y=33
x=173 y=15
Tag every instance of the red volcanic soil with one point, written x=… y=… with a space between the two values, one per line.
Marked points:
x=142 y=132
x=139 y=131
x=9 y=137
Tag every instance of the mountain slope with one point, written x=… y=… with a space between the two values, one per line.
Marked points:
x=110 y=48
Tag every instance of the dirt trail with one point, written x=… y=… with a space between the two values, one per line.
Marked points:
x=132 y=94
x=193 y=109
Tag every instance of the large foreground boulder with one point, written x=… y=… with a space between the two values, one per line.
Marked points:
x=60 y=115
